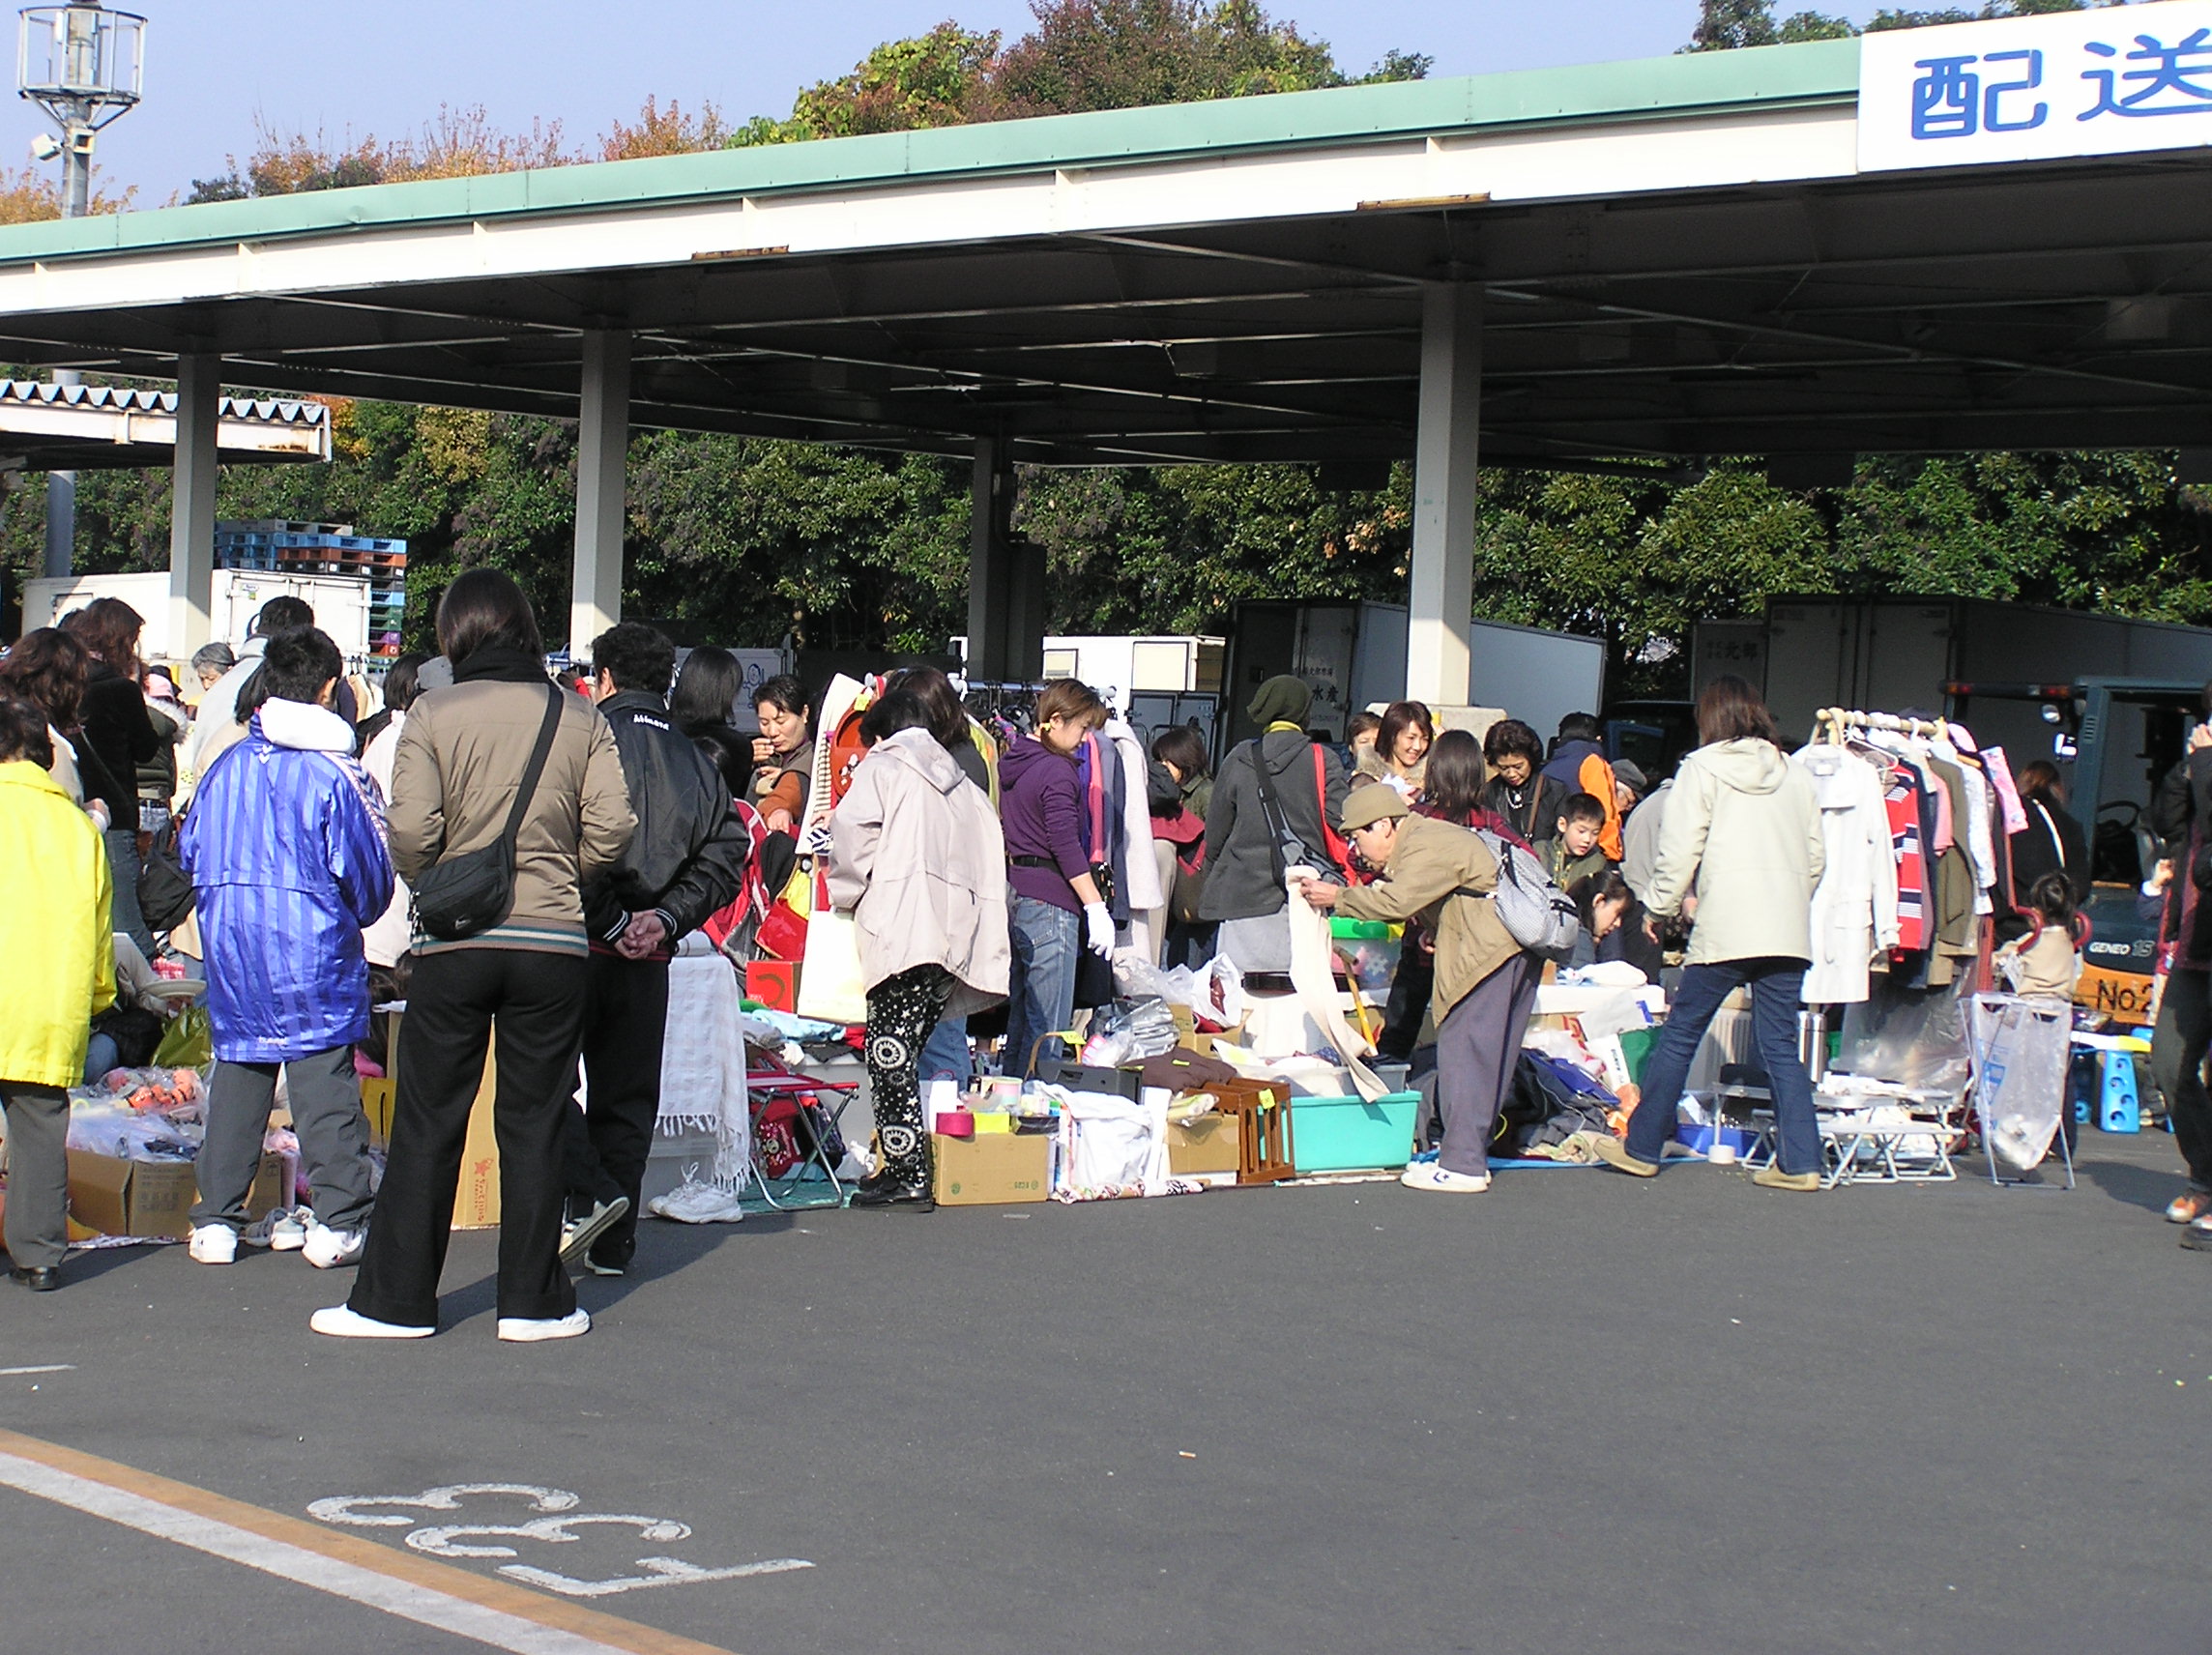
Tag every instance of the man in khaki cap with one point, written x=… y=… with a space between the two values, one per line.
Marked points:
x=1485 y=984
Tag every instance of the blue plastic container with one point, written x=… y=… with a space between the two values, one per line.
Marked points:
x=2117 y=1110
x=1345 y=1134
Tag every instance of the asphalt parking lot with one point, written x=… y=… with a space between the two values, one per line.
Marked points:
x=1575 y=1414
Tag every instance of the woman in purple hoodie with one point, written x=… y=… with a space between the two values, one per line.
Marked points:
x=1055 y=907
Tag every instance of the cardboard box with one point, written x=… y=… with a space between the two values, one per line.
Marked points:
x=992 y=1169
x=1210 y=1147
x=377 y=1099
x=475 y=1204
x=115 y=1196
x=775 y=983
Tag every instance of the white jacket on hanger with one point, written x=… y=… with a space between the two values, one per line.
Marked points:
x=1855 y=906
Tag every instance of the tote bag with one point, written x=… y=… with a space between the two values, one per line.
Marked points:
x=830 y=988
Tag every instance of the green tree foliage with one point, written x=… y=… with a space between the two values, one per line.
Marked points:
x=1724 y=26
x=742 y=540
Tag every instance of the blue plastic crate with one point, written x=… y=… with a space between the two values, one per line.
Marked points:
x=1346 y=1134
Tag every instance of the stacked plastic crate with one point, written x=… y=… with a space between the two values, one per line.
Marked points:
x=278 y=545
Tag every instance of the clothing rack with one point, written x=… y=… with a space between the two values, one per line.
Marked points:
x=1835 y=722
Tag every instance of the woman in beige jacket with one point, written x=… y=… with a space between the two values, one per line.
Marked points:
x=1741 y=854
x=461 y=763
x=917 y=858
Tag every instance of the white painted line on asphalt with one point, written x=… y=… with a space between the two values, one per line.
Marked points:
x=407 y=1600
x=46 y=1368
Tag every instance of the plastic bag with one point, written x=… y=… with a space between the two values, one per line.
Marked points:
x=1131 y=1030
x=1110 y=1146
x=2022 y=1046
x=187 y=1043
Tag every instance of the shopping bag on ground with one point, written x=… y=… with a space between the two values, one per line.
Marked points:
x=188 y=1042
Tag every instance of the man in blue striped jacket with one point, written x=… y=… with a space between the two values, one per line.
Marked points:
x=285 y=848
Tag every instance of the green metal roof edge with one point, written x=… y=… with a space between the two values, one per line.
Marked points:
x=1817 y=72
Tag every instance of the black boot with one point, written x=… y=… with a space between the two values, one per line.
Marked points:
x=889 y=1189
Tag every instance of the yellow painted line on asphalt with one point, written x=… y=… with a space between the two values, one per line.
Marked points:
x=491 y=1613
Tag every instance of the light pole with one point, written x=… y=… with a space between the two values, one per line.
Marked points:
x=84 y=64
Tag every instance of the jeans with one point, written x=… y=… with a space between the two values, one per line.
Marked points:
x=945 y=1055
x=100 y=1054
x=123 y=867
x=2177 y=1052
x=1040 y=993
x=1777 y=990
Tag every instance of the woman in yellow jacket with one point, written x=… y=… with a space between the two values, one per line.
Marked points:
x=55 y=911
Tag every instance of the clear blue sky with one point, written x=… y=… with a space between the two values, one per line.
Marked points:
x=383 y=68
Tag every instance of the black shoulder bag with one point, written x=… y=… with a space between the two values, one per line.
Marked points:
x=458 y=896
x=1286 y=849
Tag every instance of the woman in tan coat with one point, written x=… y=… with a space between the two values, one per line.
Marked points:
x=1483 y=983
x=460 y=764
x=917 y=858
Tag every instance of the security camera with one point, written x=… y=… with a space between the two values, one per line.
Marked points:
x=45 y=147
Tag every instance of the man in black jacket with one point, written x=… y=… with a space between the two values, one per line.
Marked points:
x=686 y=860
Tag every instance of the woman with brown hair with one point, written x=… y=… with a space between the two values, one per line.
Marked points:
x=1408 y=733
x=1739 y=856
x=46 y=668
x=1054 y=908
x=463 y=758
x=121 y=737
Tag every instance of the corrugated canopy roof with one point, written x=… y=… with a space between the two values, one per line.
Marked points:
x=1681 y=257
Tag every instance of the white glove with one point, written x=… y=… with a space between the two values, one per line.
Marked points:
x=1098 y=929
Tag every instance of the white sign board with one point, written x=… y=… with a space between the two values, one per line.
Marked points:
x=2107 y=81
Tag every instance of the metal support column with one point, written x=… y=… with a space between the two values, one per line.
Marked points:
x=192 y=504
x=603 y=455
x=990 y=563
x=1445 y=459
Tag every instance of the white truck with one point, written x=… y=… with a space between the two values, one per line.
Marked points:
x=1354 y=655
x=341 y=602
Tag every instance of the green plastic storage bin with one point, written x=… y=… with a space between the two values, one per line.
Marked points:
x=1345 y=1134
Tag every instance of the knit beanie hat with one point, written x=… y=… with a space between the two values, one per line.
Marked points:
x=1285 y=698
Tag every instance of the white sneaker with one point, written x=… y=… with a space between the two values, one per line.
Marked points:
x=344 y=1321
x=1430 y=1175
x=327 y=1249
x=214 y=1244
x=695 y=1203
x=528 y=1330
x=281 y=1229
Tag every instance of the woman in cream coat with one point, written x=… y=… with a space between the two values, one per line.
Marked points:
x=1740 y=855
x=917 y=858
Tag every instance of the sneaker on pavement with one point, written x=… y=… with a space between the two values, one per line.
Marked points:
x=1614 y=1154
x=531 y=1330
x=1774 y=1178
x=1428 y=1176
x=344 y=1321
x=214 y=1244
x=2189 y=1206
x=578 y=1234
x=327 y=1249
x=695 y=1203
x=283 y=1229
x=2198 y=1238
